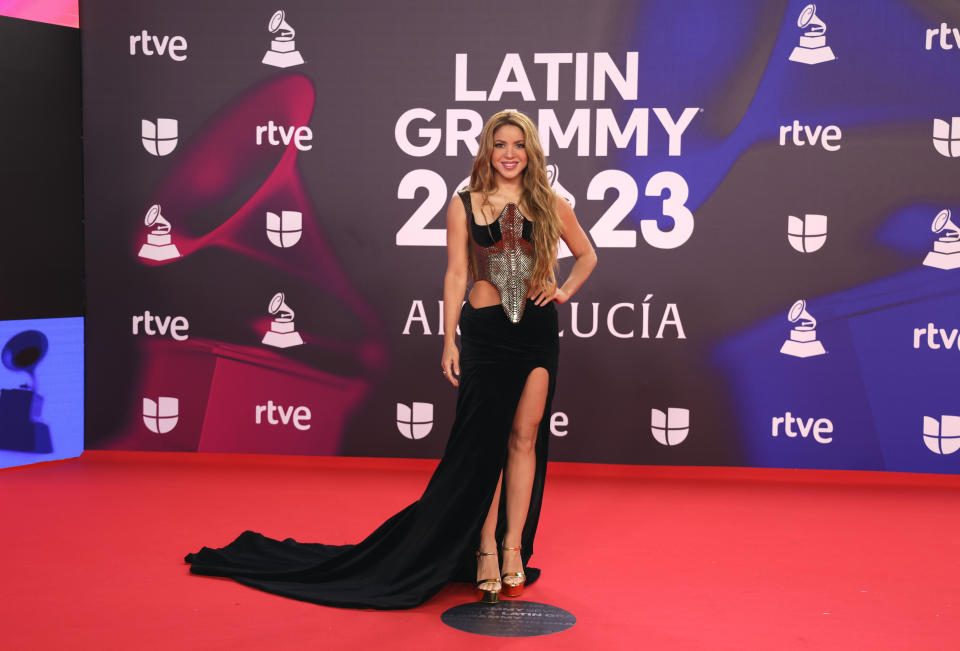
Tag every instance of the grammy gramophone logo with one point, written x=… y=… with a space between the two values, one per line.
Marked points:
x=159 y=245
x=813 y=46
x=803 y=336
x=553 y=176
x=283 y=50
x=20 y=426
x=282 y=332
x=946 y=249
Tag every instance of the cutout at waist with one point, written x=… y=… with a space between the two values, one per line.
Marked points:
x=483 y=294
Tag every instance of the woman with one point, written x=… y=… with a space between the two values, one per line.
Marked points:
x=505 y=230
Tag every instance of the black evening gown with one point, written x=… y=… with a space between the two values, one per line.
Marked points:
x=412 y=555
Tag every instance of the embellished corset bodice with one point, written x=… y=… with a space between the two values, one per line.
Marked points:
x=504 y=255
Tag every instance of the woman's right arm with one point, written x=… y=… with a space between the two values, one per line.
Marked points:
x=454 y=287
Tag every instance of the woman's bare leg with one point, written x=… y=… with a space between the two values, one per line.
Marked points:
x=488 y=567
x=522 y=462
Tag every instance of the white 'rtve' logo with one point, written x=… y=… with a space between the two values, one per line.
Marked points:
x=943 y=436
x=415 y=421
x=161 y=416
x=946 y=34
x=159 y=138
x=670 y=428
x=174 y=46
x=946 y=137
x=808 y=233
x=284 y=230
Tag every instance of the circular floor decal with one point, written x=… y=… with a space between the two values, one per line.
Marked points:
x=508 y=618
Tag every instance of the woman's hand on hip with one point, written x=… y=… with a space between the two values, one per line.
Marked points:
x=549 y=293
x=450 y=364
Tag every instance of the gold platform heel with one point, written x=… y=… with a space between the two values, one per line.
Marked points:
x=488 y=596
x=513 y=588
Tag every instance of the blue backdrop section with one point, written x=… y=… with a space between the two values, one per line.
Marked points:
x=59 y=380
x=873 y=385
x=694 y=53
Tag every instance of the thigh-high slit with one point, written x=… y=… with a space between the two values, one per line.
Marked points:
x=431 y=542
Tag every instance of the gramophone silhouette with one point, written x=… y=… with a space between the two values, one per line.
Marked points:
x=813 y=46
x=20 y=426
x=283 y=50
x=282 y=333
x=946 y=250
x=803 y=337
x=159 y=245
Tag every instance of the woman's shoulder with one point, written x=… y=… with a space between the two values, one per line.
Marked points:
x=463 y=200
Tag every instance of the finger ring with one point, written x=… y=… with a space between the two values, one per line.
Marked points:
x=444 y=372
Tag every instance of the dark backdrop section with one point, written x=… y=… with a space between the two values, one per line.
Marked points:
x=41 y=252
x=722 y=172
x=41 y=246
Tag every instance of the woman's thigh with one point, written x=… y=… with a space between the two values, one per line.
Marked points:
x=529 y=412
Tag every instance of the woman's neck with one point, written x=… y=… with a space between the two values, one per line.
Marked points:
x=512 y=188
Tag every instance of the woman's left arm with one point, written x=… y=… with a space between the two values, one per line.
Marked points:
x=580 y=247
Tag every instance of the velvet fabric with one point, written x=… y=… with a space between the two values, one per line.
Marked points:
x=417 y=551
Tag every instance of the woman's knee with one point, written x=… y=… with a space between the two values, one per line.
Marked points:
x=523 y=438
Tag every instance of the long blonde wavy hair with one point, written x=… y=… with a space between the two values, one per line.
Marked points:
x=538 y=202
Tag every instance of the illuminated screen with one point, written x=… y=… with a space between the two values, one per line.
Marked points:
x=41 y=390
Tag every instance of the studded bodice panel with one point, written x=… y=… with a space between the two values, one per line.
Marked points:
x=505 y=261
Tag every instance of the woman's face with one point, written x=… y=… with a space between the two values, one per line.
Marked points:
x=509 y=157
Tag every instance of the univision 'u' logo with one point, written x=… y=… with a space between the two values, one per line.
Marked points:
x=808 y=233
x=159 y=138
x=284 y=230
x=416 y=420
x=942 y=436
x=946 y=137
x=161 y=416
x=670 y=427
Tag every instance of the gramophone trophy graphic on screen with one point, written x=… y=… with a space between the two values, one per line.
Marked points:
x=20 y=426
x=813 y=46
x=946 y=250
x=159 y=245
x=283 y=50
x=803 y=337
x=282 y=333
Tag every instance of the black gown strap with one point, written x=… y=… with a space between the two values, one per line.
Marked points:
x=467 y=204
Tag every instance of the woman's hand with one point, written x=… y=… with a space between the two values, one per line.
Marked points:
x=450 y=363
x=549 y=293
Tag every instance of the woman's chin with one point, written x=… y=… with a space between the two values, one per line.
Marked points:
x=513 y=175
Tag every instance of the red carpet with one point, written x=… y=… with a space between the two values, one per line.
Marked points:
x=644 y=557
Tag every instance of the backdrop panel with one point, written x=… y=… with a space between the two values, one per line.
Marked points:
x=768 y=188
x=41 y=248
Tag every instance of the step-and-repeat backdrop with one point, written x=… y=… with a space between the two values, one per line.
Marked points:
x=772 y=189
